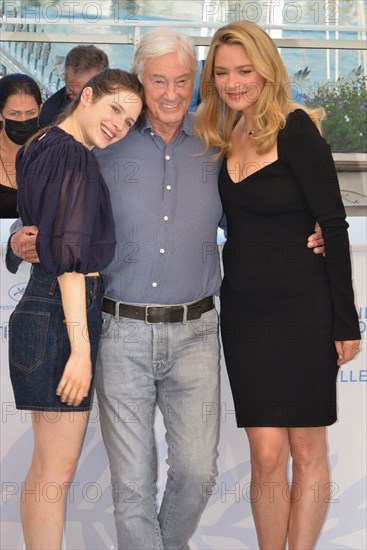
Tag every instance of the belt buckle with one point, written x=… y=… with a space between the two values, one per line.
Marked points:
x=146 y=315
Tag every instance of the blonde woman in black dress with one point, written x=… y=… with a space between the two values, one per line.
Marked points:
x=288 y=316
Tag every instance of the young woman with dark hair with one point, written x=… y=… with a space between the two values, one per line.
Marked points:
x=55 y=329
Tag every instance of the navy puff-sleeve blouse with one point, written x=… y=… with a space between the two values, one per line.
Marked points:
x=62 y=192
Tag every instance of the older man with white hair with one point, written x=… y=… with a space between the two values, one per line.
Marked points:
x=160 y=344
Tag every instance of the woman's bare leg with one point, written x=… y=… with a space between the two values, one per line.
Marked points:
x=58 y=439
x=311 y=486
x=269 y=458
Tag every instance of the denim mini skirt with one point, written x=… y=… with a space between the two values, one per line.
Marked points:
x=39 y=346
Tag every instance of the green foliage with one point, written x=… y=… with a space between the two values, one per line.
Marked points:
x=345 y=104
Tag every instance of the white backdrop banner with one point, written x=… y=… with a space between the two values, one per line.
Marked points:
x=227 y=521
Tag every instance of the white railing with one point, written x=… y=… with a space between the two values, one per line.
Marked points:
x=132 y=37
x=30 y=34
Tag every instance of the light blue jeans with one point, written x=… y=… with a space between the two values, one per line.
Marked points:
x=176 y=366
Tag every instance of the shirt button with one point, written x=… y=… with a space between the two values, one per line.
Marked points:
x=165 y=218
x=167 y=157
x=169 y=187
x=161 y=250
x=154 y=284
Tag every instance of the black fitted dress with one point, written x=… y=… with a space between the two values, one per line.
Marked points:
x=282 y=306
x=8 y=202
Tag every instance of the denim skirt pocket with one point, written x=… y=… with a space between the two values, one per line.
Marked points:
x=39 y=345
x=28 y=338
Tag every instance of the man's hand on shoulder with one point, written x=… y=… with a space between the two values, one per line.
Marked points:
x=23 y=244
x=316 y=241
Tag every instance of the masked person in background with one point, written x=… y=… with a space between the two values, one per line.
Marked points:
x=20 y=104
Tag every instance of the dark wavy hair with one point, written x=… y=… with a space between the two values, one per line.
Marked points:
x=105 y=82
x=18 y=83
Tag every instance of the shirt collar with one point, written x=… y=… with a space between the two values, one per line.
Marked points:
x=187 y=126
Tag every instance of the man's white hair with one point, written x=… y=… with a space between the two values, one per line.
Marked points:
x=161 y=41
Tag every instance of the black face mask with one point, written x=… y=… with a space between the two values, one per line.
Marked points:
x=19 y=132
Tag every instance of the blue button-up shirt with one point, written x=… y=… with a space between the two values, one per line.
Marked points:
x=167 y=209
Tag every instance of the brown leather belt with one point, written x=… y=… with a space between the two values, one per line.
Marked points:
x=160 y=314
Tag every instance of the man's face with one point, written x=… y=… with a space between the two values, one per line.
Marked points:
x=74 y=82
x=168 y=88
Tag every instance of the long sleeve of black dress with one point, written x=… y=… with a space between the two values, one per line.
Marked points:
x=309 y=158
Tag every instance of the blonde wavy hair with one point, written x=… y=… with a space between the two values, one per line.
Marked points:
x=214 y=120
